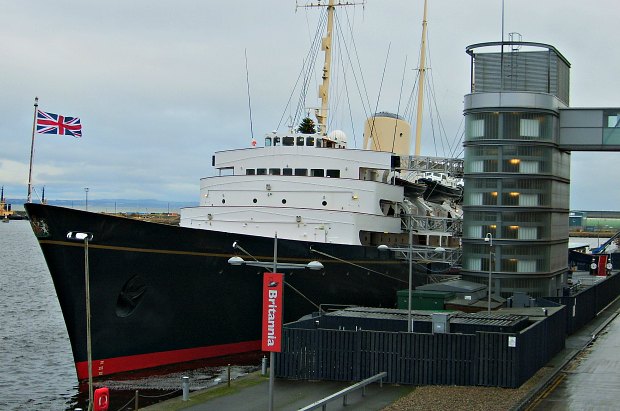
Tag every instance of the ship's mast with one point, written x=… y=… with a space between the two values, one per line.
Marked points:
x=326 y=46
x=418 y=126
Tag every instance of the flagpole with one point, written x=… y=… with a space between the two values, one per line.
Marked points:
x=34 y=122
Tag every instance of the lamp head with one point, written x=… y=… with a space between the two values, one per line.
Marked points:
x=314 y=265
x=236 y=260
x=79 y=236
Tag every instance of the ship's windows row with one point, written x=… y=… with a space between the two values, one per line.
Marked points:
x=255 y=201
x=291 y=141
x=313 y=172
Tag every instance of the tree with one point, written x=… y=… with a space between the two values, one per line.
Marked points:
x=307 y=126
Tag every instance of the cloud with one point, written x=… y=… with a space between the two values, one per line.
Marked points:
x=160 y=86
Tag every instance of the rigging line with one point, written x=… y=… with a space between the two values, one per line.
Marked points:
x=359 y=65
x=334 y=102
x=356 y=265
x=311 y=68
x=432 y=91
x=365 y=108
x=457 y=142
x=432 y=123
x=410 y=104
x=307 y=67
x=299 y=76
x=374 y=117
x=346 y=87
x=443 y=137
x=462 y=148
x=307 y=70
x=247 y=80
x=290 y=98
x=400 y=95
x=302 y=295
x=342 y=46
x=311 y=57
x=451 y=149
x=345 y=82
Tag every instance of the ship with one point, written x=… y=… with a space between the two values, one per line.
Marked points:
x=6 y=212
x=137 y=295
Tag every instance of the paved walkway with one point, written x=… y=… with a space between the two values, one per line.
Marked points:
x=592 y=382
x=288 y=395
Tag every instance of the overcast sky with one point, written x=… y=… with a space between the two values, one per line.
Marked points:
x=161 y=85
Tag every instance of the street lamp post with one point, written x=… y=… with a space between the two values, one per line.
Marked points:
x=86 y=237
x=410 y=261
x=236 y=260
x=86 y=192
x=489 y=239
x=438 y=249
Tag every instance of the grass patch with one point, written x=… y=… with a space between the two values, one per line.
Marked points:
x=176 y=404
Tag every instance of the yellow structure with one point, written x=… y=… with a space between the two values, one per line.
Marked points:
x=387 y=132
x=5 y=209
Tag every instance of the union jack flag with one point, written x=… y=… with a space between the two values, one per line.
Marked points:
x=48 y=123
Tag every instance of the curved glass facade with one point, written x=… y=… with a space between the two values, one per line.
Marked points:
x=516 y=190
x=511 y=125
x=517 y=158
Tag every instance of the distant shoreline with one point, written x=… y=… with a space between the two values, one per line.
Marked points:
x=592 y=234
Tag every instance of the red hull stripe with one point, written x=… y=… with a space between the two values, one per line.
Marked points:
x=116 y=365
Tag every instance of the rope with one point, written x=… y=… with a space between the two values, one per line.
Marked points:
x=127 y=404
x=357 y=265
x=301 y=294
x=160 y=396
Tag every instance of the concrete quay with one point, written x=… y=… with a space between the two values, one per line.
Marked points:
x=251 y=392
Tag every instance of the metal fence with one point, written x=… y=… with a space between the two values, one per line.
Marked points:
x=497 y=359
x=483 y=358
x=582 y=307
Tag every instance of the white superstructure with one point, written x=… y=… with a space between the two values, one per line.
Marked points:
x=302 y=186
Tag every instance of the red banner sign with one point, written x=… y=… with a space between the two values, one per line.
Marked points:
x=273 y=285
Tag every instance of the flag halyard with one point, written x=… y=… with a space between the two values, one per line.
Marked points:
x=49 y=123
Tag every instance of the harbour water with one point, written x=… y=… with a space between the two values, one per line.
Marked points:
x=36 y=364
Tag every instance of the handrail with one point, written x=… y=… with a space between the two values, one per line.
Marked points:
x=343 y=393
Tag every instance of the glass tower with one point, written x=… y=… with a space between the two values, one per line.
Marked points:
x=516 y=177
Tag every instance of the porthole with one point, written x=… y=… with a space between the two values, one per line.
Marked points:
x=223 y=201
x=324 y=203
x=284 y=201
x=255 y=201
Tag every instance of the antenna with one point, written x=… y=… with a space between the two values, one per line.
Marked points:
x=247 y=81
x=501 y=62
x=502 y=22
